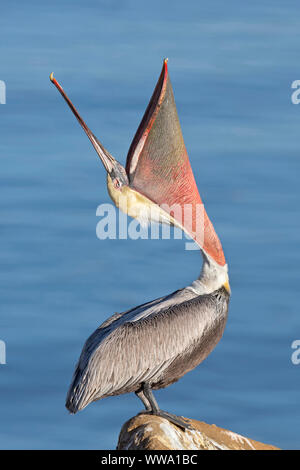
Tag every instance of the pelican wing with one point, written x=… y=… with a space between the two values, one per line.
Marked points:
x=140 y=346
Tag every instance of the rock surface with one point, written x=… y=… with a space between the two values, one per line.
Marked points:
x=148 y=432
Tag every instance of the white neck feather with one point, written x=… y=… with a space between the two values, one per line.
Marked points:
x=212 y=277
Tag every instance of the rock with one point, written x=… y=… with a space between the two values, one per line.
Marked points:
x=148 y=432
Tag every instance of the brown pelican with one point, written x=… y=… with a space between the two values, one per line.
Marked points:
x=151 y=346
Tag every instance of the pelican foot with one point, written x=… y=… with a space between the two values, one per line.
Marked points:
x=174 y=419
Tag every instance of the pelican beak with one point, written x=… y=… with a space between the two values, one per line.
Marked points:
x=107 y=159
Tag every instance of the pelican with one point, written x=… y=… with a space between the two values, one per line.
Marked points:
x=153 y=345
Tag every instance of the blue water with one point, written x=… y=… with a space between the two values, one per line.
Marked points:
x=232 y=65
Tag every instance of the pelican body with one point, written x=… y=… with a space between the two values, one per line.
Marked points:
x=153 y=345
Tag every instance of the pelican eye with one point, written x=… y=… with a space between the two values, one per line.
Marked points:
x=117 y=183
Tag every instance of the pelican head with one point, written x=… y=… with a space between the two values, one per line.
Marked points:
x=158 y=175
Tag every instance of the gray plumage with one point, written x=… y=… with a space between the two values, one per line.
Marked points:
x=155 y=343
